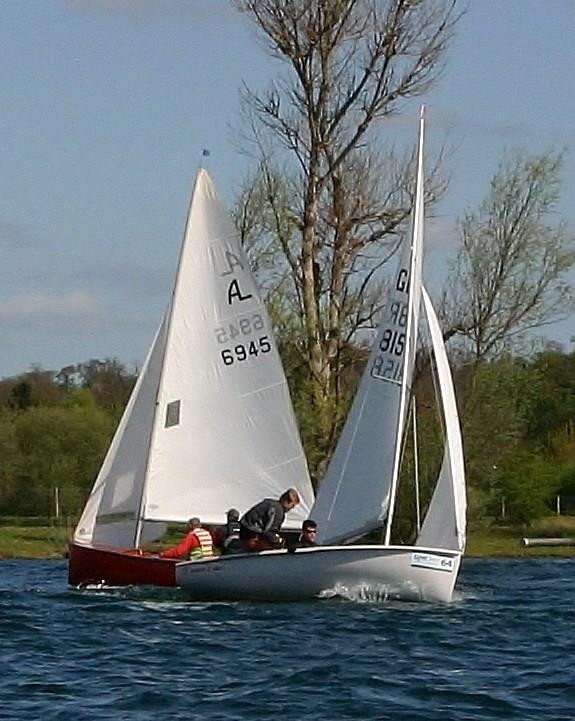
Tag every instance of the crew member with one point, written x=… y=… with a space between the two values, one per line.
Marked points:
x=307 y=536
x=259 y=527
x=227 y=538
x=197 y=543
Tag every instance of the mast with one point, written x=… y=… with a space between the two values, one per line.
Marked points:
x=411 y=330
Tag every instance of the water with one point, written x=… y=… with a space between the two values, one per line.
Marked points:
x=503 y=650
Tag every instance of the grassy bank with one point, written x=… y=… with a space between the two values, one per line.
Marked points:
x=40 y=542
x=33 y=541
x=507 y=541
x=483 y=541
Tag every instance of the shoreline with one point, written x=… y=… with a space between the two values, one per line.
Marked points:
x=527 y=553
x=40 y=543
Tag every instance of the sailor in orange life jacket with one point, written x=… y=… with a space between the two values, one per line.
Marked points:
x=197 y=544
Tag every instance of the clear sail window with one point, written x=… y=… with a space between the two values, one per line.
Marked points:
x=172 y=414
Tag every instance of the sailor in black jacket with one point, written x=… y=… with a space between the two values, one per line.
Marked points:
x=259 y=527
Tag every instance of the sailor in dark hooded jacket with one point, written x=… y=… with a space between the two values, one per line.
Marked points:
x=228 y=541
x=259 y=527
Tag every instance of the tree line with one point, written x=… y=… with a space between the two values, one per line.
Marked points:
x=518 y=430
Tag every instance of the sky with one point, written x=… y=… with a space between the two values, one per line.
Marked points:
x=106 y=106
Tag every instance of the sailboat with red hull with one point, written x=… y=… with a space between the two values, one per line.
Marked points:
x=209 y=424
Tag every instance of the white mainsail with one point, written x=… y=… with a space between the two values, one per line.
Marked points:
x=444 y=525
x=358 y=490
x=210 y=423
x=224 y=433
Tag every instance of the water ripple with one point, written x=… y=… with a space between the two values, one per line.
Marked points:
x=501 y=650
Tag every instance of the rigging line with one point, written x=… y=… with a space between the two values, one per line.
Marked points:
x=403 y=448
x=346 y=461
x=416 y=465
x=436 y=390
x=263 y=388
x=283 y=463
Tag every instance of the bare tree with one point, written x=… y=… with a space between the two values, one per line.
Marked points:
x=350 y=64
x=510 y=273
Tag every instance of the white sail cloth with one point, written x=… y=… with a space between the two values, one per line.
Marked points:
x=210 y=423
x=358 y=491
x=444 y=524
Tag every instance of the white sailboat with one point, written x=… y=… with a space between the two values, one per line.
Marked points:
x=209 y=424
x=359 y=491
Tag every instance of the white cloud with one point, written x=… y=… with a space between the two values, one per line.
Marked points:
x=69 y=313
x=132 y=280
x=44 y=308
x=153 y=7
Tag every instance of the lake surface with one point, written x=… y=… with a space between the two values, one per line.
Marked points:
x=505 y=649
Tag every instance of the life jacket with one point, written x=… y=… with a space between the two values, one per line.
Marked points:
x=205 y=548
x=232 y=537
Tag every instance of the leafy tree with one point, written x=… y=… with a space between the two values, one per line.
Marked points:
x=54 y=447
x=8 y=456
x=510 y=275
x=36 y=387
x=350 y=64
x=527 y=485
x=550 y=424
x=109 y=381
x=566 y=489
x=494 y=426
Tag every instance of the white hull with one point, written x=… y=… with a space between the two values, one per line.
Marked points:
x=399 y=572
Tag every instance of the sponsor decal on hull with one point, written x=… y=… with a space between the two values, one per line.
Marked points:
x=430 y=560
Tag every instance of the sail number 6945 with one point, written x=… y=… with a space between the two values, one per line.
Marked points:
x=242 y=352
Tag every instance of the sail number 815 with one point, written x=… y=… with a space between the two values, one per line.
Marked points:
x=242 y=352
x=392 y=341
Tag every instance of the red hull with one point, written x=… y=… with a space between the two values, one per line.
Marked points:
x=118 y=567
